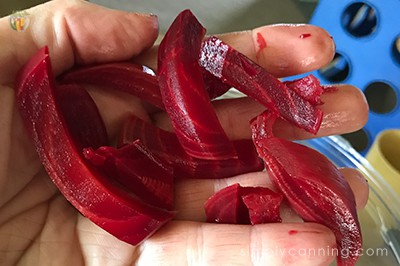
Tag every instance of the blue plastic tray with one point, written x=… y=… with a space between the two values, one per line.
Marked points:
x=365 y=33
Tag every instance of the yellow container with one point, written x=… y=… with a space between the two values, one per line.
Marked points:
x=384 y=156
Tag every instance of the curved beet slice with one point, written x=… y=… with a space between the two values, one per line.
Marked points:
x=308 y=87
x=182 y=89
x=138 y=170
x=98 y=198
x=240 y=72
x=314 y=187
x=243 y=205
x=82 y=116
x=131 y=78
x=166 y=145
x=226 y=206
x=134 y=79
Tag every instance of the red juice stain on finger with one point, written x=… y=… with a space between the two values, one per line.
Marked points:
x=305 y=35
x=261 y=41
x=292 y=232
x=261 y=44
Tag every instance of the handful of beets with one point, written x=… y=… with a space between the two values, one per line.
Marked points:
x=128 y=189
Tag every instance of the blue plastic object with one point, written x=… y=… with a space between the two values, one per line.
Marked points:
x=365 y=33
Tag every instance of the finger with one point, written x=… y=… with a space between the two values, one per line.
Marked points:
x=284 y=53
x=345 y=110
x=286 y=49
x=76 y=32
x=191 y=194
x=191 y=243
x=358 y=184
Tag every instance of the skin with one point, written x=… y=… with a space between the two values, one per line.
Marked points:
x=39 y=227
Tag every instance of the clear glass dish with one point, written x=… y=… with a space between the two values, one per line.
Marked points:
x=380 y=220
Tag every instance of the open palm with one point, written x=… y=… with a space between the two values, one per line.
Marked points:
x=39 y=227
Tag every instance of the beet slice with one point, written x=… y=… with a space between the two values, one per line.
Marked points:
x=183 y=92
x=166 y=145
x=99 y=198
x=313 y=186
x=243 y=205
x=130 y=166
x=135 y=79
x=262 y=204
x=240 y=72
x=226 y=206
x=308 y=87
x=213 y=85
x=82 y=116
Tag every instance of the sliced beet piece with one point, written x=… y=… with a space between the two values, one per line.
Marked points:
x=135 y=79
x=82 y=116
x=165 y=144
x=308 y=87
x=240 y=72
x=183 y=92
x=99 y=198
x=226 y=206
x=128 y=77
x=213 y=85
x=262 y=204
x=138 y=170
x=244 y=205
x=313 y=186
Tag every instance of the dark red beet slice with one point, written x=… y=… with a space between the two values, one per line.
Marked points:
x=213 y=85
x=308 y=87
x=100 y=199
x=240 y=72
x=130 y=165
x=82 y=116
x=165 y=144
x=313 y=186
x=243 y=205
x=262 y=204
x=134 y=79
x=226 y=206
x=124 y=76
x=182 y=89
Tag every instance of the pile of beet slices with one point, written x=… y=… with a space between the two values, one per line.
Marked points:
x=128 y=189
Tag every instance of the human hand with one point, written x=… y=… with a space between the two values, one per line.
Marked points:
x=39 y=227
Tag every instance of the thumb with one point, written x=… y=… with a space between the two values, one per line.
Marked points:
x=76 y=32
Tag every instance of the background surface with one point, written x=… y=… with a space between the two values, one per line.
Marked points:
x=216 y=15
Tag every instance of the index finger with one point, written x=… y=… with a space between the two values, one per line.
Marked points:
x=283 y=50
